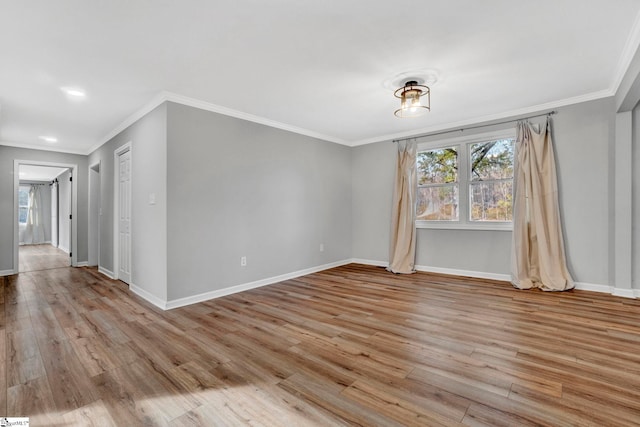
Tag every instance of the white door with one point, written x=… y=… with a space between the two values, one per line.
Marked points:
x=124 y=216
x=54 y=214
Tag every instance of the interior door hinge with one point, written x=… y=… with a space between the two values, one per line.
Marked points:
x=69 y=254
x=70 y=179
x=70 y=216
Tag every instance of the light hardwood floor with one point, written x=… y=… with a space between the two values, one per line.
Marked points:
x=354 y=345
x=41 y=257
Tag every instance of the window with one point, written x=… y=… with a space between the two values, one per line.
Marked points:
x=466 y=183
x=23 y=204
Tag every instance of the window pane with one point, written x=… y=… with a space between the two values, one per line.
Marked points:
x=22 y=215
x=437 y=203
x=438 y=166
x=491 y=201
x=491 y=160
x=23 y=197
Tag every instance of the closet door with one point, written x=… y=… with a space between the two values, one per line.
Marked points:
x=54 y=214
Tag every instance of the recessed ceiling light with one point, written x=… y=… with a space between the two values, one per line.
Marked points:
x=51 y=139
x=74 y=92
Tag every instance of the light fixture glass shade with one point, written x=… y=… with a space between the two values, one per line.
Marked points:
x=415 y=99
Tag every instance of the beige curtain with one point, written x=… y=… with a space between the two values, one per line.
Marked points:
x=34 y=230
x=402 y=250
x=538 y=257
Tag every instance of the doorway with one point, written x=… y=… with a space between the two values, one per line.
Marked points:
x=67 y=224
x=95 y=214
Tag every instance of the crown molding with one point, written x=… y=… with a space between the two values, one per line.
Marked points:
x=41 y=148
x=146 y=109
x=628 y=52
x=166 y=96
x=489 y=118
x=214 y=108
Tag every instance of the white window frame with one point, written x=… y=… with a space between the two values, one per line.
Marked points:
x=464 y=171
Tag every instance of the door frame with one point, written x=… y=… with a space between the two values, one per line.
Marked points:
x=116 y=210
x=95 y=212
x=74 y=207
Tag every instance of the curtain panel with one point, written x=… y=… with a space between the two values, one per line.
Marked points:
x=538 y=257
x=34 y=229
x=402 y=249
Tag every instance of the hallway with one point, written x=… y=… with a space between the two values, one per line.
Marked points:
x=41 y=257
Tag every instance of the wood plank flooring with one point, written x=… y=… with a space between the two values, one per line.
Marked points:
x=41 y=257
x=353 y=345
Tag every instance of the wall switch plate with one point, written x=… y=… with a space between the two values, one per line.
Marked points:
x=243 y=261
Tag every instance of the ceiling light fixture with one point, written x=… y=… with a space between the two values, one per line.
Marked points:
x=415 y=99
x=74 y=92
x=51 y=139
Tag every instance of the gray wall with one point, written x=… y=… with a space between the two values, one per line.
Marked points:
x=7 y=156
x=582 y=133
x=237 y=188
x=148 y=221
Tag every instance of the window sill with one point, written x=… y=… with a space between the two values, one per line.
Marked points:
x=454 y=225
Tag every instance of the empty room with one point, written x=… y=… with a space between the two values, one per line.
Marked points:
x=218 y=213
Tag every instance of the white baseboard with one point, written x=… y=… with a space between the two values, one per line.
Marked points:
x=158 y=302
x=82 y=264
x=605 y=289
x=246 y=286
x=440 y=270
x=6 y=273
x=181 y=302
x=464 y=273
x=62 y=248
x=106 y=272
x=626 y=293
x=370 y=262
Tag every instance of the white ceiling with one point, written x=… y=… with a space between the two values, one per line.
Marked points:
x=39 y=173
x=315 y=67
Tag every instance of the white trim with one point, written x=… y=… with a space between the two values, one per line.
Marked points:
x=464 y=273
x=581 y=286
x=625 y=293
x=489 y=118
x=457 y=225
x=181 y=302
x=83 y=264
x=43 y=148
x=106 y=272
x=440 y=270
x=146 y=109
x=166 y=96
x=462 y=144
x=116 y=206
x=7 y=273
x=628 y=52
x=90 y=207
x=370 y=262
x=204 y=105
x=594 y=287
x=74 y=206
x=158 y=302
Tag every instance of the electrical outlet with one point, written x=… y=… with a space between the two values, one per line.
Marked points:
x=321 y=247
x=243 y=261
